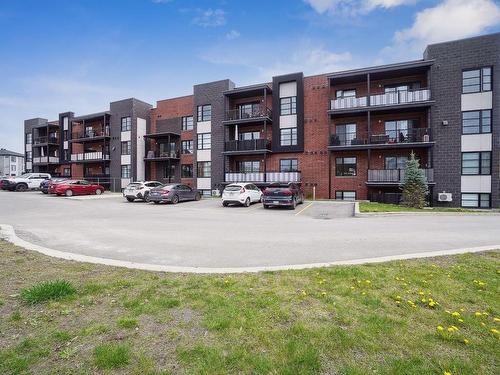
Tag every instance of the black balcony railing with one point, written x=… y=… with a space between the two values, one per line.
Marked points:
x=386 y=99
x=255 y=111
x=248 y=145
x=156 y=154
x=90 y=133
x=395 y=175
x=45 y=139
x=416 y=135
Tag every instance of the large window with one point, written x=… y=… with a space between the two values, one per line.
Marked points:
x=401 y=87
x=476 y=163
x=187 y=123
x=186 y=171
x=350 y=93
x=249 y=110
x=246 y=136
x=395 y=162
x=126 y=124
x=126 y=148
x=29 y=156
x=288 y=137
x=345 y=167
x=476 y=80
x=476 y=122
x=288 y=106
x=248 y=166
x=204 y=112
x=126 y=171
x=345 y=133
x=204 y=141
x=289 y=165
x=29 y=138
x=345 y=195
x=398 y=131
x=187 y=147
x=476 y=200
x=204 y=169
x=66 y=172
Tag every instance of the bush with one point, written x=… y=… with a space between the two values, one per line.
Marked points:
x=414 y=187
x=48 y=290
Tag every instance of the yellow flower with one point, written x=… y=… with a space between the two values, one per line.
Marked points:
x=364 y=293
x=304 y=293
x=477 y=313
x=398 y=302
x=461 y=320
x=440 y=328
x=483 y=324
x=447 y=373
x=421 y=293
x=399 y=297
x=450 y=329
x=466 y=341
x=462 y=310
x=368 y=281
x=323 y=294
x=455 y=313
x=496 y=319
x=495 y=331
x=454 y=328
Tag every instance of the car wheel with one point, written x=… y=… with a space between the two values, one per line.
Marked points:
x=130 y=199
x=45 y=192
x=21 y=187
x=68 y=193
x=156 y=202
x=225 y=204
x=266 y=206
x=98 y=192
x=247 y=202
x=146 y=197
x=197 y=197
x=294 y=203
x=175 y=199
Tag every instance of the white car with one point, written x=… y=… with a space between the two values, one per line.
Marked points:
x=140 y=190
x=241 y=193
x=26 y=181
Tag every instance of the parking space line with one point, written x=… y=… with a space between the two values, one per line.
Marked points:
x=305 y=208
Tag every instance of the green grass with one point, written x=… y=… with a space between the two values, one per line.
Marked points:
x=341 y=320
x=48 y=290
x=109 y=356
x=385 y=207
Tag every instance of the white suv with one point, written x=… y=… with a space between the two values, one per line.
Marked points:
x=26 y=181
x=241 y=193
x=140 y=190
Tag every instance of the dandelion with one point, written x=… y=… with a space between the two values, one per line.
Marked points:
x=466 y=341
x=398 y=302
x=440 y=328
x=364 y=293
x=483 y=324
x=454 y=328
x=323 y=294
x=421 y=293
x=461 y=320
x=447 y=373
x=455 y=313
x=477 y=313
x=303 y=293
x=462 y=310
x=496 y=319
x=399 y=297
x=494 y=331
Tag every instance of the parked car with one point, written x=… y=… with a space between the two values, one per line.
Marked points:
x=241 y=193
x=25 y=182
x=279 y=194
x=2 y=180
x=75 y=187
x=173 y=193
x=140 y=190
x=44 y=185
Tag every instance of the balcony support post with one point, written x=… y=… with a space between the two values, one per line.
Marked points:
x=265 y=167
x=369 y=125
x=368 y=89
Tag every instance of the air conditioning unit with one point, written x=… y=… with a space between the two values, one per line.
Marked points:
x=444 y=197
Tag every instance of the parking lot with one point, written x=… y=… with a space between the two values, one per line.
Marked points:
x=205 y=234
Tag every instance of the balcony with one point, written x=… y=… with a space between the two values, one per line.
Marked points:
x=250 y=146
x=394 y=176
x=162 y=155
x=89 y=135
x=89 y=156
x=45 y=159
x=261 y=177
x=46 y=140
x=401 y=138
x=257 y=112
x=397 y=99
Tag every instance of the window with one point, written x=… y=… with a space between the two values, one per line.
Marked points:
x=29 y=138
x=187 y=123
x=186 y=171
x=126 y=124
x=345 y=134
x=476 y=200
x=12 y=159
x=345 y=195
x=204 y=169
x=401 y=87
x=288 y=106
x=289 y=165
x=204 y=141
x=67 y=172
x=66 y=154
x=476 y=122
x=476 y=163
x=29 y=156
x=249 y=110
x=288 y=137
x=398 y=130
x=350 y=93
x=126 y=148
x=187 y=147
x=204 y=112
x=65 y=135
x=476 y=80
x=126 y=171
x=345 y=167
x=395 y=162
x=13 y=168
x=248 y=166
x=247 y=136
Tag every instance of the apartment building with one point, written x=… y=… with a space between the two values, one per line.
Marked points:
x=11 y=163
x=342 y=135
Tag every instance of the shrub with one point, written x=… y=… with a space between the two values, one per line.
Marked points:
x=414 y=187
x=48 y=290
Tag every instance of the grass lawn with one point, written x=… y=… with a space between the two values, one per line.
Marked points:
x=385 y=207
x=426 y=316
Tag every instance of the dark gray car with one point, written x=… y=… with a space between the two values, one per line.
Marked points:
x=174 y=193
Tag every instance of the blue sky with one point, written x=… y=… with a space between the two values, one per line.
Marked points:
x=57 y=56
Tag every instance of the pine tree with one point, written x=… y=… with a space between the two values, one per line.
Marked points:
x=414 y=186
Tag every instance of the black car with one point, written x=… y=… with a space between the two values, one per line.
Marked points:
x=283 y=194
x=44 y=185
x=174 y=194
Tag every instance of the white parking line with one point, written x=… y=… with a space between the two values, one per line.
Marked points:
x=305 y=208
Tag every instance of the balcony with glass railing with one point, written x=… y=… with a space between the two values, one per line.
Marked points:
x=390 y=138
x=90 y=134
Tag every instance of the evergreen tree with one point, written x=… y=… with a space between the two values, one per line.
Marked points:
x=414 y=186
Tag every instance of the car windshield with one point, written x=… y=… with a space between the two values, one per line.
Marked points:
x=26 y=175
x=168 y=187
x=233 y=188
x=134 y=185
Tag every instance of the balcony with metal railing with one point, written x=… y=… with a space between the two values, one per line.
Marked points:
x=394 y=176
x=90 y=157
x=400 y=138
x=90 y=135
x=159 y=155
x=245 y=114
x=248 y=146
x=43 y=140
x=45 y=160
x=263 y=177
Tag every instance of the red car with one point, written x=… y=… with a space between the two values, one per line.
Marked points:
x=75 y=187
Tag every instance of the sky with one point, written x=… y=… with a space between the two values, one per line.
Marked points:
x=60 y=55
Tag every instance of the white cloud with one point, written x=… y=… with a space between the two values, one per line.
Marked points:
x=210 y=17
x=354 y=7
x=449 y=20
x=233 y=34
x=161 y=1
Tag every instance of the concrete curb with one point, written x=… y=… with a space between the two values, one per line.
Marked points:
x=8 y=233
x=374 y=214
